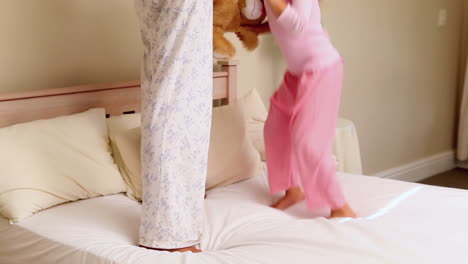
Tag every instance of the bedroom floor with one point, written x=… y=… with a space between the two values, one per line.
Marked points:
x=456 y=178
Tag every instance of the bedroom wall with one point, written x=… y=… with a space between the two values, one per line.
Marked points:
x=401 y=69
x=57 y=43
x=258 y=69
x=465 y=29
x=464 y=48
x=401 y=76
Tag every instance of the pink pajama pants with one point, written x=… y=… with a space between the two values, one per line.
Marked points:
x=299 y=134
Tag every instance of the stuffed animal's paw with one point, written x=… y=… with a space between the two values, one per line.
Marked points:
x=222 y=47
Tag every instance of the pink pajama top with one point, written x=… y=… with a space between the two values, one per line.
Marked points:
x=301 y=37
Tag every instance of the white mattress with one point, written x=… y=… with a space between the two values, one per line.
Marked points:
x=401 y=223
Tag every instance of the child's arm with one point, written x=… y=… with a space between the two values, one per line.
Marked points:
x=292 y=16
x=260 y=29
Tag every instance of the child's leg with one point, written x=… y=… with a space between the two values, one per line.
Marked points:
x=313 y=132
x=278 y=142
x=278 y=145
x=277 y=150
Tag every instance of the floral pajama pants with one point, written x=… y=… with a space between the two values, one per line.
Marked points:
x=176 y=119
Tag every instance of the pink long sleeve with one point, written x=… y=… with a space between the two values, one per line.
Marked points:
x=296 y=15
x=301 y=37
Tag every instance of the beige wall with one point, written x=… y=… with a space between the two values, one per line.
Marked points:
x=464 y=48
x=56 y=43
x=401 y=76
x=465 y=27
x=401 y=69
x=258 y=69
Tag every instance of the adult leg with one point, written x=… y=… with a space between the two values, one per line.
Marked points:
x=176 y=119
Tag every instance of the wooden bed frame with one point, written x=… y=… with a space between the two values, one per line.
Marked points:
x=116 y=98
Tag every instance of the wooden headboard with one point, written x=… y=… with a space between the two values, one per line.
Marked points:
x=116 y=98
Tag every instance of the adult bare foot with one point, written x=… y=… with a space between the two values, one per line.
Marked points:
x=293 y=196
x=186 y=249
x=344 y=211
x=191 y=249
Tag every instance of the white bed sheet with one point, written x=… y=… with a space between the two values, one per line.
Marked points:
x=401 y=223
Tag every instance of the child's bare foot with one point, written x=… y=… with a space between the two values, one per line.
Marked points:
x=293 y=196
x=191 y=249
x=344 y=211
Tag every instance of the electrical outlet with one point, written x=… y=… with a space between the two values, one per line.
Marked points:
x=442 y=18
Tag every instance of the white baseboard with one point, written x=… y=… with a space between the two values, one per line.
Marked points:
x=421 y=169
x=462 y=164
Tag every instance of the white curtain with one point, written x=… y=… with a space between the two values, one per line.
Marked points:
x=462 y=149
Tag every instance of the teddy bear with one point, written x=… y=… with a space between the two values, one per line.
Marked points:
x=235 y=16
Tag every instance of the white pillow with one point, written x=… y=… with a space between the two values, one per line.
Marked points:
x=121 y=123
x=49 y=162
x=127 y=146
x=256 y=115
x=117 y=125
x=232 y=157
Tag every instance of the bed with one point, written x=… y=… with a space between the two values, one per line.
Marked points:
x=399 y=222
